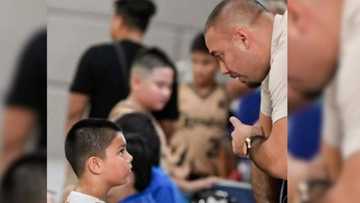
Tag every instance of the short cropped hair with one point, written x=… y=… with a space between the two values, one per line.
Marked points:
x=136 y=13
x=243 y=10
x=141 y=124
x=148 y=59
x=88 y=137
x=25 y=180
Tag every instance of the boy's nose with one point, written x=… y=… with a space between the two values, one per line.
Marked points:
x=129 y=158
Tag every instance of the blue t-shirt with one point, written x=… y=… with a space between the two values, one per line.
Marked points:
x=161 y=190
x=249 y=107
x=304 y=131
x=139 y=198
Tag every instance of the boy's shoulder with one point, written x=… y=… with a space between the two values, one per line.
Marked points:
x=122 y=108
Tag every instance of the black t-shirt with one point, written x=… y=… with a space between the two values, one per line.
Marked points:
x=100 y=76
x=29 y=85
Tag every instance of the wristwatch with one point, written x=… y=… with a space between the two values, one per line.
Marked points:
x=256 y=133
x=248 y=142
x=312 y=190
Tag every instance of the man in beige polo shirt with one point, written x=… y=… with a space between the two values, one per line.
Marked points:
x=250 y=45
x=332 y=39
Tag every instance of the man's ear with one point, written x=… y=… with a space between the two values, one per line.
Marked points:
x=298 y=15
x=241 y=37
x=94 y=165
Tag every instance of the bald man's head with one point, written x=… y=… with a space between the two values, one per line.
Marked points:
x=238 y=34
x=241 y=12
x=313 y=44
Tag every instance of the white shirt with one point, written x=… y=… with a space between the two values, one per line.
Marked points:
x=78 y=197
x=342 y=97
x=274 y=87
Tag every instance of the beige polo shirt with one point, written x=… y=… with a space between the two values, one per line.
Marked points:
x=342 y=97
x=274 y=87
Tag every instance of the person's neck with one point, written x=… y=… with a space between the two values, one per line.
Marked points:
x=132 y=36
x=204 y=89
x=93 y=188
x=133 y=101
x=127 y=191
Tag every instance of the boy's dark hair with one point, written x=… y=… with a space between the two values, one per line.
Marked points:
x=25 y=180
x=136 y=13
x=198 y=44
x=141 y=162
x=147 y=59
x=142 y=125
x=88 y=137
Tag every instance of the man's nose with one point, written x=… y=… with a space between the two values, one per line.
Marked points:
x=223 y=68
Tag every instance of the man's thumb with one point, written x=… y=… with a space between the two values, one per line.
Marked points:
x=235 y=122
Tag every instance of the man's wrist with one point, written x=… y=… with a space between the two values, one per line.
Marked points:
x=256 y=131
x=254 y=138
x=249 y=143
x=313 y=190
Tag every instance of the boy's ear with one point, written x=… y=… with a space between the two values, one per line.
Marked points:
x=94 y=165
x=135 y=81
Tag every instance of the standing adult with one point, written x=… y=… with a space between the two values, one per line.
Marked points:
x=250 y=45
x=326 y=36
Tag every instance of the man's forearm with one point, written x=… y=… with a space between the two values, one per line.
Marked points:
x=270 y=154
x=77 y=105
x=265 y=188
x=347 y=187
x=70 y=121
x=18 y=123
x=267 y=156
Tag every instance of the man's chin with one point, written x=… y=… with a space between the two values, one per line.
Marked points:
x=252 y=85
x=308 y=93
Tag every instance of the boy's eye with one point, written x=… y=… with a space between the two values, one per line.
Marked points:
x=121 y=151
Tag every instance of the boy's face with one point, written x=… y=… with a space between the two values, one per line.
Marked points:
x=117 y=162
x=154 y=91
x=204 y=67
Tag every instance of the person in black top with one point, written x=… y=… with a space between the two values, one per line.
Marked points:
x=101 y=79
x=25 y=105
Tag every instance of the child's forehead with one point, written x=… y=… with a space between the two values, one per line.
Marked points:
x=120 y=137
